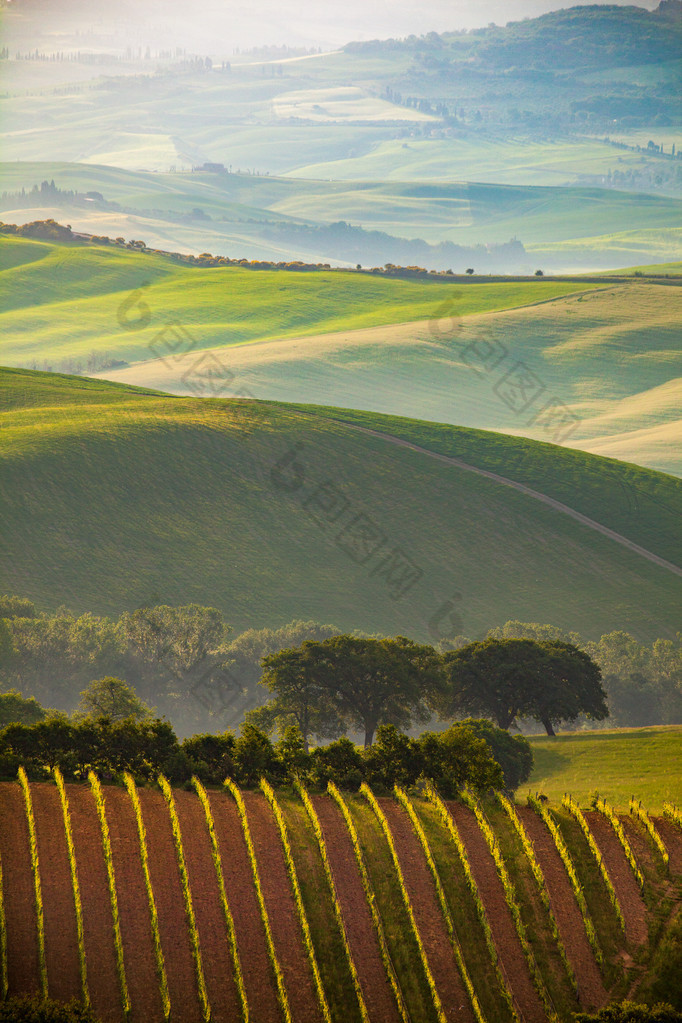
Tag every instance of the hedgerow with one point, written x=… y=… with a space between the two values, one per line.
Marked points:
x=562 y=849
x=151 y=901
x=322 y=845
x=575 y=810
x=37 y=889
x=371 y=900
x=227 y=913
x=113 y=897
x=272 y=953
x=78 y=906
x=405 y=802
x=187 y=897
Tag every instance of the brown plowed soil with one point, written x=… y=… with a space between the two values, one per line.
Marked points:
x=428 y=914
x=620 y=872
x=98 y=927
x=672 y=839
x=591 y=991
x=170 y=906
x=133 y=907
x=259 y=981
x=213 y=936
x=646 y=853
x=504 y=932
x=61 y=935
x=279 y=901
x=362 y=937
x=18 y=893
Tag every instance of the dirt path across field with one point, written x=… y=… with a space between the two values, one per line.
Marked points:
x=362 y=937
x=428 y=914
x=259 y=981
x=491 y=891
x=166 y=884
x=620 y=872
x=591 y=991
x=286 y=929
x=18 y=893
x=61 y=935
x=98 y=927
x=672 y=839
x=136 y=928
x=213 y=936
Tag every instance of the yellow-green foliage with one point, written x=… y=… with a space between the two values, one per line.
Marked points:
x=381 y=817
x=293 y=877
x=111 y=878
x=37 y=889
x=451 y=827
x=371 y=900
x=187 y=896
x=640 y=813
x=575 y=810
x=603 y=807
x=510 y=896
x=562 y=849
x=673 y=813
x=404 y=800
x=322 y=845
x=279 y=976
x=529 y=850
x=153 y=915
x=78 y=906
x=227 y=913
x=3 y=941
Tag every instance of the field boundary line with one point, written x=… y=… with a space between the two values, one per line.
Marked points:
x=537 y=495
x=227 y=912
x=511 y=900
x=407 y=805
x=151 y=901
x=272 y=952
x=187 y=897
x=371 y=901
x=37 y=888
x=113 y=897
x=78 y=906
x=269 y=794
x=536 y=869
x=384 y=825
x=322 y=845
x=450 y=826
x=577 y=813
x=565 y=856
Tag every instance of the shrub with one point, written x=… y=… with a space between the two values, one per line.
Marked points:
x=513 y=753
x=340 y=762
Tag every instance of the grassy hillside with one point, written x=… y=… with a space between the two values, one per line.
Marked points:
x=113 y=496
x=619 y=763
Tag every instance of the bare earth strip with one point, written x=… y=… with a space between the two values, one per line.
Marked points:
x=61 y=936
x=136 y=929
x=620 y=871
x=428 y=914
x=279 y=901
x=535 y=494
x=98 y=925
x=672 y=839
x=213 y=937
x=504 y=933
x=591 y=991
x=175 y=940
x=22 y=940
x=364 y=945
x=241 y=895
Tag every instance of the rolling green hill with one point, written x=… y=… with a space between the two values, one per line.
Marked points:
x=113 y=496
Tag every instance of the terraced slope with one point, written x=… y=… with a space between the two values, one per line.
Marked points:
x=258 y=969
x=272 y=512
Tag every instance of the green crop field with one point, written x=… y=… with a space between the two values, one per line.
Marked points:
x=617 y=764
x=111 y=494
